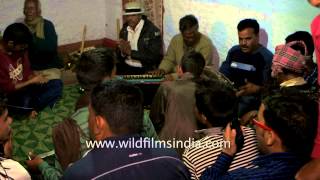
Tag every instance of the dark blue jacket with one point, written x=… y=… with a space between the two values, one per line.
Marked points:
x=149 y=45
x=261 y=60
x=275 y=166
x=128 y=163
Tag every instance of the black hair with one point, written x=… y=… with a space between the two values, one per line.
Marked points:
x=249 y=23
x=293 y=117
x=121 y=104
x=187 y=22
x=93 y=66
x=302 y=36
x=217 y=101
x=193 y=62
x=18 y=33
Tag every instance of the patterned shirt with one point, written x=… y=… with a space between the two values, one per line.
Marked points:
x=198 y=158
x=13 y=70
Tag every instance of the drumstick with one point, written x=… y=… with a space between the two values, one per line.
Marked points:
x=83 y=38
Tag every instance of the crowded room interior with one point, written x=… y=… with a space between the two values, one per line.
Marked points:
x=159 y=89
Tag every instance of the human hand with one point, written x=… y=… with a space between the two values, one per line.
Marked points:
x=38 y=79
x=248 y=89
x=124 y=47
x=34 y=162
x=157 y=72
x=230 y=136
x=169 y=77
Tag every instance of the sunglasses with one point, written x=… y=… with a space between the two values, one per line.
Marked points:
x=258 y=123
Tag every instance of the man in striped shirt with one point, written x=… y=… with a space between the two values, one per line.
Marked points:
x=285 y=128
x=216 y=104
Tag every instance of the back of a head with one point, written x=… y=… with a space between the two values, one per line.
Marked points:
x=188 y=22
x=293 y=117
x=193 y=62
x=94 y=66
x=18 y=33
x=302 y=36
x=217 y=101
x=121 y=104
x=249 y=23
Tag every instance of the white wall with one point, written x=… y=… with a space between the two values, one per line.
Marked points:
x=113 y=12
x=69 y=17
x=219 y=18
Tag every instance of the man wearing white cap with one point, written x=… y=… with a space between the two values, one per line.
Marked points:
x=140 y=44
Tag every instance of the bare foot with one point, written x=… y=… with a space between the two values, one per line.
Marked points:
x=33 y=114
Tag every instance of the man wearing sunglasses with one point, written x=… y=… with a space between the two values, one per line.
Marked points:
x=285 y=128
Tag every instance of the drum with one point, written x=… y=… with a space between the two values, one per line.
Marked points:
x=214 y=74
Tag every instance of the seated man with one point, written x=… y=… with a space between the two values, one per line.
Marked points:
x=285 y=127
x=43 y=52
x=189 y=39
x=172 y=107
x=115 y=116
x=27 y=92
x=288 y=68
x=70 y=136
x=248 y=65
x=10 y=169
x=216 y=104
x=311 y=73
x=140 y=45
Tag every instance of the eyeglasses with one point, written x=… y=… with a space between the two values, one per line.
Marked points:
x=258 y=123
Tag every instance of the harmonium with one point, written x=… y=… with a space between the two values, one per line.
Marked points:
x=147 y=83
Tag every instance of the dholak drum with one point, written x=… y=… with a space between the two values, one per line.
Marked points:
x=214 y=74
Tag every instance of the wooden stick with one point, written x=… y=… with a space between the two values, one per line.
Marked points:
x=118 y=28
x=84 y=31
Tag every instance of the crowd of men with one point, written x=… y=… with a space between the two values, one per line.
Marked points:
x=263 y=113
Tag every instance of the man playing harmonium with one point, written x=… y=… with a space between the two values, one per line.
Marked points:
x=189 y=39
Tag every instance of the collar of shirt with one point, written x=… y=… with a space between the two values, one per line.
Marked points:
x=134 y=34
x=293 y=82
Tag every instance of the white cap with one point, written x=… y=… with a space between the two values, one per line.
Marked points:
x=132 y=8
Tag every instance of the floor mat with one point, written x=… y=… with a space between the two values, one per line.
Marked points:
x=35 y=134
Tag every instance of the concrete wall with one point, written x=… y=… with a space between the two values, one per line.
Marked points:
x=69 y=17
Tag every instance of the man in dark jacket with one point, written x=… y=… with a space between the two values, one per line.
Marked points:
x=140 y=44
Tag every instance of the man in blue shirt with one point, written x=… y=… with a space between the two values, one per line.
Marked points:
x=285 y=127
x=115 y=119
x=248 y=65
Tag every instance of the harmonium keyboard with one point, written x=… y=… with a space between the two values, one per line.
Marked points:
x=147 y=83
x=142 y=78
